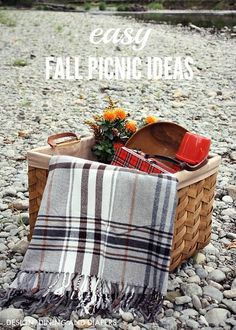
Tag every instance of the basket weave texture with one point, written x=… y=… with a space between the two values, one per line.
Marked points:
x=192 y=227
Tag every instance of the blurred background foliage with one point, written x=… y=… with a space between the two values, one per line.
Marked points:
x=150 y=4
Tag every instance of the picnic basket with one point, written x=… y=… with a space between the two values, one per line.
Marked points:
x=193 y=218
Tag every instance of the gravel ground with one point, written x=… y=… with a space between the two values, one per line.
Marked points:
x=202 y=292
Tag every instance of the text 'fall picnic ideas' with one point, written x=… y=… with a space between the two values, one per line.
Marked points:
x=119 y=67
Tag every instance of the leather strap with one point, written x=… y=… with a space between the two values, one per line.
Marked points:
x=52 y=139
x=182 y=165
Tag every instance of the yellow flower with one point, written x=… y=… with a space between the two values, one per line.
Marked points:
x=131 y=126
x=109 y=115
x=120 y=113
x=151 y=119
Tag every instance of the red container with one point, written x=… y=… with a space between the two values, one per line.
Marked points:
x=193 y=149
x=126 y=157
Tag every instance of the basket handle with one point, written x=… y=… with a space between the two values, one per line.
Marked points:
x=52 y=139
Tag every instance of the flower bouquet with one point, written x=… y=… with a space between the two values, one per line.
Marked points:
x=112 y=129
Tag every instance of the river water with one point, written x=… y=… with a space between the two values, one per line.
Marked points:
x=201 y=18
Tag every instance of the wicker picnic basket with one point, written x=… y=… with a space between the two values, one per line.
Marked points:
x=192 y=227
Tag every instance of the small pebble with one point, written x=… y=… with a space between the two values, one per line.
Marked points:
x=217 y=275
x=182 y=300
x=227 y=199
x=83 y=323
x=230 y=293
x=196 y=302
x=127 y=316
x=192 y=324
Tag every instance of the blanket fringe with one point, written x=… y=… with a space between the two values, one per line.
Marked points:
x=45 y=292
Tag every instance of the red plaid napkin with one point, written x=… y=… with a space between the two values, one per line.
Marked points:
x=126 y=157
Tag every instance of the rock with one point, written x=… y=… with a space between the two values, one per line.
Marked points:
x=3 y=265
x=209 y=268
x=14 y=232
x=213 y=293
x=21 y=205
x=183 y=318
x=231 y=321
x=21 y=246
x=196 y=302
x=189 y=312
x=231 y=212
x=168 y=323
x=30 y=321
x=225 y=241
x=191 y=289
x=177 y=104
x=3 y=207
x=194 y=279
x=233 y=285
x=216 y=315
x=7 y=279
x=179 y=94
x=2 y=247
x=203 y=321
x=232 y=191
x=10 y=227
x=18 y=258
x=115 y=88
x=171 y=295
x=123 y=325
x=25 y=218
x=127 y=316
x=173 y=284
x=57 y=325
x=182 y=300
x=169 y=312
x=24 y=134
x=201 y=272
x=214 y=237
x=190 y=272
x=133 y=327
x=215 y=285
x=83 y=323
x=217 y=275
x=227 y=199
x=230 y=304
x=233 y=155
x=230 y=293
x=11 y=315
x=212 y=94
x=231 y=236
x=210 y=249
x=10 y=192
x=192 y=324
x=68 y=326
x=205 y=303
x=4 y=234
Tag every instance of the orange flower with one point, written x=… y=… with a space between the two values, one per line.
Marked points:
x=151 y=119
x=120 y=113
x=131 y=126
x=109 y=115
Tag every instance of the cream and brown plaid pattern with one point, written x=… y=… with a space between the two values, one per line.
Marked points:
x=102 y=239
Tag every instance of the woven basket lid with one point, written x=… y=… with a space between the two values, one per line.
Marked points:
x=161 y=138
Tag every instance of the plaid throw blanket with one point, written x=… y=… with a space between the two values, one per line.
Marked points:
x=102 y=241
